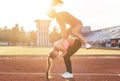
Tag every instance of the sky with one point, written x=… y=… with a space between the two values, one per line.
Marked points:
x=95 y=13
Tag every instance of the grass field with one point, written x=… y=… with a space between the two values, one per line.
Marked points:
x=29 y=50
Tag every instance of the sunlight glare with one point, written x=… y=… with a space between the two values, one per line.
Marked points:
x=23 y=12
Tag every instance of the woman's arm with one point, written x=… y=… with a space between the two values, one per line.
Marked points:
x=49 y=65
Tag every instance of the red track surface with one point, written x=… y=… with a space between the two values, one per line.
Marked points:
x=85 y=68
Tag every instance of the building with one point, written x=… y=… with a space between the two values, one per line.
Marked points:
x=42 y=32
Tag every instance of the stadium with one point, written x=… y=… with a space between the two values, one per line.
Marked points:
x=27 y=62
x=107 y=37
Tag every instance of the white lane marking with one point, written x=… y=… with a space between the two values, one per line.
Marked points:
x=74 y=57
x=82 y=74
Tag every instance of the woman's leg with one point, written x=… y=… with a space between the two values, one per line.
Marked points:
x=68 y=64
x=71 y=50
x=76 y=31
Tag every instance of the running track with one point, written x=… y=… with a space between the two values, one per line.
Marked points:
x=85 y=68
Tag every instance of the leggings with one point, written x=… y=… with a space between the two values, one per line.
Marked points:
x=71 y=50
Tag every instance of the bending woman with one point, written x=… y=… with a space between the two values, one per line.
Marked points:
x=67 y=48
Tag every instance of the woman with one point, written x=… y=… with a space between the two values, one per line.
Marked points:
x=76 y=25
x=67 y=47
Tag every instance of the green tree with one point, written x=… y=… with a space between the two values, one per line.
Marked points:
x=15 y=34
x=33 y=36
x=54 y=36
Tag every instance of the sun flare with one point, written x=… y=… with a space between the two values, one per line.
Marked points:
x=91 y=13
x=23 y=12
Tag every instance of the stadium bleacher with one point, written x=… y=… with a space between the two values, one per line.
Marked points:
x=98 y=37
